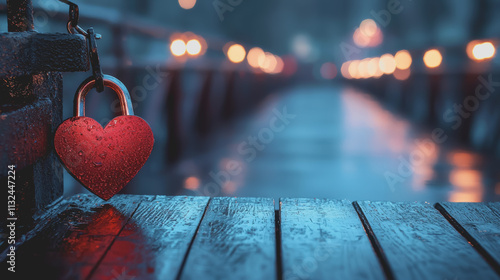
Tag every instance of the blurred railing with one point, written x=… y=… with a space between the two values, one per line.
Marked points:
x=453 y=90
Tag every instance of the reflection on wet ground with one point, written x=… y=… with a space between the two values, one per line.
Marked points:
x=325 y=142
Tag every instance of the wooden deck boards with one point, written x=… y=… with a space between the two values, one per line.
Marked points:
x=324 y=239
x=236 y=240
x=158 y=237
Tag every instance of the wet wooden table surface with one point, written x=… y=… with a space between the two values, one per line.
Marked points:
x=160 y=237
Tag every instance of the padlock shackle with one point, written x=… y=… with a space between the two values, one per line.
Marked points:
x=109 y=81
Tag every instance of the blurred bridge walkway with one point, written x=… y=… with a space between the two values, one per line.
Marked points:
x=339 y=143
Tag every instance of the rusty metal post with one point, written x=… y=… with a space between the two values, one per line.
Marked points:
x=20 y=15
x=31 y=108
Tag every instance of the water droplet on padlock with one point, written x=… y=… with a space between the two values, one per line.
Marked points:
x=98 y=138
x=103 y=155
x=111 y=147
x=97 y=164
x=80 y=153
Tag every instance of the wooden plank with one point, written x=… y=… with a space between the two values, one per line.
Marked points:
x=27 y=232
x=70 y=244
x=155 y=240
x=479 y=223
x=236 y=240
x=420 y=244
x=324 y=239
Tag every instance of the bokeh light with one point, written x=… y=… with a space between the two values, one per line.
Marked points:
x=353 y=69
x=360 y=39
x=236 y=53
x=363 y=69
x=387 y=63
x=193 y=47
x=372 y=67
x=368 y=34
x=432 y=58
x=403 y=59
x=269 y=63
x=482 y=51
x=178 y=47
x=192 y=183
x=368 y=27
x=254 y=56
x=402 y=75
x=280 y=65
x=344 y=70
x=187 y=4
x=328 y=71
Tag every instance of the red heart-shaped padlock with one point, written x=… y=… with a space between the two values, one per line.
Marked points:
x=104 y=160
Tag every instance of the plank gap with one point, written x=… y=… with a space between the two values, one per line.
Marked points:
x=279 y=261
x=471 y=240
x=184 y=260
x=374 y=241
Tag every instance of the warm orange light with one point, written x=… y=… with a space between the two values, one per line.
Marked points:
x=368 y=34
x=363 y=69
x=178 y=47
x=193 y=47
x=432 y=58
x=254 y=55
x=360 y=39
x=464 y=159
x=269 y=63
x=187 y=4
x=280 y=65
x=368 y=27
x=192 y=183
x=236 y=53
x=480 y=50
x=328 y=71
x=353 y=69
x=402 y=74
x=483 y=51
x=372 y=67
x=403 y=59
x=387 y=63
x=344 y=70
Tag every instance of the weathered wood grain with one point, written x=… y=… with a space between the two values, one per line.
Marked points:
x=72 y=243
x=26 y=233
x=155 y=240
x=324 y=239
x=236 y=240
x=479 y=223
x=420 y=244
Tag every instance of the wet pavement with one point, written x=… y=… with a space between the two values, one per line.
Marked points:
x=327 y=141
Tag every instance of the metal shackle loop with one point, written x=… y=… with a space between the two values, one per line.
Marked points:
x=110 y=82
